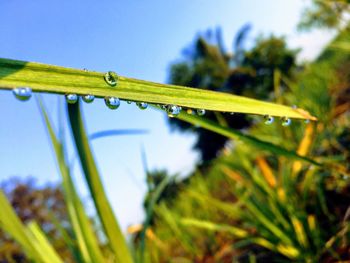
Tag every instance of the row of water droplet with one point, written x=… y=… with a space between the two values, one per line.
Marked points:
x=25 y=93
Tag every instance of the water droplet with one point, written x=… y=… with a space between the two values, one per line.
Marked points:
x=306 y=121
x=23 y=93
x=201 y=112
x=142 y=105
x=112 y=102
x=88 y=98
x=286 y=121
x=268 y=119
x=111 y=78
x=71 y=98
x=173 y=110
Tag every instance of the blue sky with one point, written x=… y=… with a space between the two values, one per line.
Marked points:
x=136 y=39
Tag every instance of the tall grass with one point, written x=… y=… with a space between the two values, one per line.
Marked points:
x=269 y=204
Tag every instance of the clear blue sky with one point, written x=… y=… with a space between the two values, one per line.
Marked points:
x=136 y=39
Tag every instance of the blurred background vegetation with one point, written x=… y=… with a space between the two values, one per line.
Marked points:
x=240 y=205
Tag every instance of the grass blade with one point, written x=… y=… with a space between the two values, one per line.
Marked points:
x=42 y=244
x=10 y=223
x=192 y=222
x=304 y=147
x=48 y=78
x=234 y=134
x=33 y=241
x=67 y=238
x=150 y=209
x=103 y=207
x=87 y=242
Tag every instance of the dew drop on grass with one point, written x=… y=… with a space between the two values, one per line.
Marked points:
x=142 y=105
x=88 y=98
x=286 y=122
x=111 y=78
x=71 y=98
x=22 y=93
x=201 y=112
x=190 y=111
x=112 y=102
x=268 y=119
x=173 y=110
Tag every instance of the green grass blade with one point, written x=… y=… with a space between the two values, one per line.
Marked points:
x=87 y=242
x=48 y=78
x=288 y=251
x=237 y=232
x=31 y=238
x=150 y=209
x=265 y=221
x=172 y=221
x=233 y=210
x=66 y=237
x=42 y=244
x=11 y=224
x=110 y=225
x=234 y=134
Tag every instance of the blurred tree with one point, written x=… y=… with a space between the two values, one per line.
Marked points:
x=267 y=56
x=208 y=65
x=32 y=202
x=326 y=13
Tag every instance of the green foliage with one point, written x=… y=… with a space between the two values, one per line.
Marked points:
x=262 y=203
x=252 y=202
x=325 y=14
